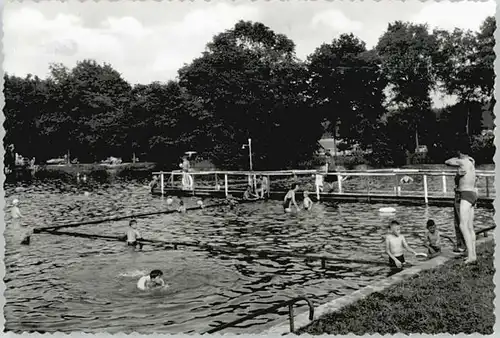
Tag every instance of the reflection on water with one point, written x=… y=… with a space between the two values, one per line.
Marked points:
x=62 y=283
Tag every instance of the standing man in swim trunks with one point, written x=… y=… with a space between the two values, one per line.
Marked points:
x=467 y=193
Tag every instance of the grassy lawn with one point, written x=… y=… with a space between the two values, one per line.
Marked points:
x=452 y=298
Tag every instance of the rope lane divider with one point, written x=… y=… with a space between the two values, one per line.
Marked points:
x=138 y=215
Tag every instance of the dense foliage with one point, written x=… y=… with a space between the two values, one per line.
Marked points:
x=249 y=84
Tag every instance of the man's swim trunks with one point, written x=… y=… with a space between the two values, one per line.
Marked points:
x=469 y=196
x=392 y=263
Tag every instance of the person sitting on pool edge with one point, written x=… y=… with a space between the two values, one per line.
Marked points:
x=395 y=245
x=290 y=198
x=248 y=195
x=308 y=203
x=151 y=281
x=133 y=235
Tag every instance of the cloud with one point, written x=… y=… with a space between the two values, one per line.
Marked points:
x=336 y=20
x=141 y=53
x=191 y=34
x=448 y=15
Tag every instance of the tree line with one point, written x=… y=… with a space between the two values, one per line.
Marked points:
x=249 y=83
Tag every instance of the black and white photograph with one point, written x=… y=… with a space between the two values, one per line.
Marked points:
x=249 y=167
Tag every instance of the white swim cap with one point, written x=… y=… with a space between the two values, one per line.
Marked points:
x=15 y=201
x=200 y=202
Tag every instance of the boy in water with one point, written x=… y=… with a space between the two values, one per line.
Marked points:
x=308 y=203
x=133 y=235
x=182 y=207
x=395 y=245
x=433 y=239
x=152 y=281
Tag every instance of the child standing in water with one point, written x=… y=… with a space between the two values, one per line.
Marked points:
x=133 y=235
x=290 y=199
x=23 y=231
x=395 y=246
x=308 y=203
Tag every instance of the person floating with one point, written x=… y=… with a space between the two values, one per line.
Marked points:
x=133 y=235
x=151 y=281
x=466 y=195
x=248 y=195
x=290 y=198
x=406 y=180
x=395 y=244
x=308 y=203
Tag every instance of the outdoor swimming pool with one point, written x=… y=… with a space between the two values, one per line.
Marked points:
x=62 y=283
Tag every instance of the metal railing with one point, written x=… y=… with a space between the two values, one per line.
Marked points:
x=221 y=179
x=273 y=308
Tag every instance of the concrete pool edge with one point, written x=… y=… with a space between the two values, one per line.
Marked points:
x=301 y=319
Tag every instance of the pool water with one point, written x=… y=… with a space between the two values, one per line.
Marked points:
x=62 y=283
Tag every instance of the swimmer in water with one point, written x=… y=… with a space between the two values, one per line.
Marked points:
x=290 y=198
x=200 y=203
x=395 y=245
x=182 y=207
x=152 y=281
x=133 y=235
x=308 y=203
x=14 y=211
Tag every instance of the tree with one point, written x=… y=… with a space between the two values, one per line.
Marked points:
x=252 y=85
x=406 y=51
x=346 y=87
x=89 y=107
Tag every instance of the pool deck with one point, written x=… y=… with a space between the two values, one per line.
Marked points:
x=301 y=320
x=372 y=197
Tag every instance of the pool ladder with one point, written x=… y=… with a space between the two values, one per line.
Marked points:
x=290 y=303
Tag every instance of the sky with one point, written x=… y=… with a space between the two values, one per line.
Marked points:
x=149 y=41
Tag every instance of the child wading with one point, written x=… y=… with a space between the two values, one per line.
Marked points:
x=395 y=245
x=133 y=235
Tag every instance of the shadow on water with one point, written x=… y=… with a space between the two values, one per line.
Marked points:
x=68 y=284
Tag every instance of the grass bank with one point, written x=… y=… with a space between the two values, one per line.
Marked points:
x=450 y=299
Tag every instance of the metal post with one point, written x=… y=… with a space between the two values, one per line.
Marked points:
x=444 y=183
x=339 y=181
x=290 y=315
x=225 y=185
x=487 y=186
x=250 y=153
x=268 y=186
x=216 y=182
x=161 y=183
x=426 y=193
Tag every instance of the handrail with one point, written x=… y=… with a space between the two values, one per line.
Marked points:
x=485 y=230
x=273 y=308
x=368 y=172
